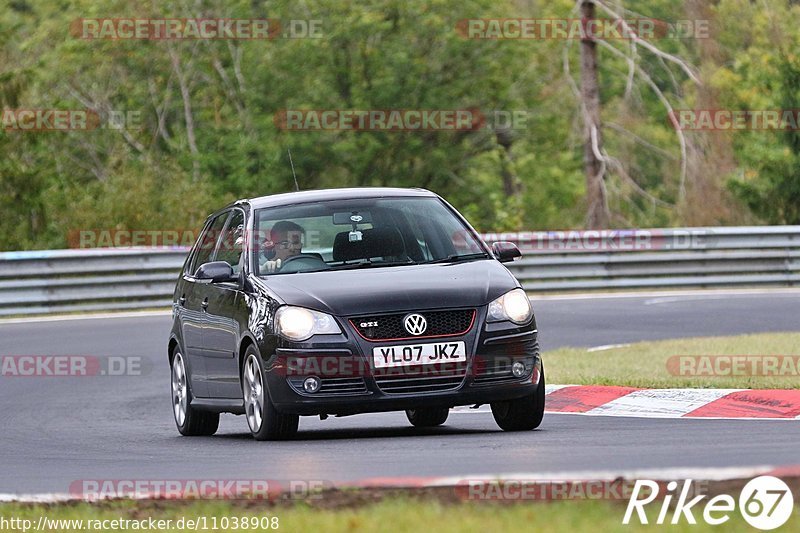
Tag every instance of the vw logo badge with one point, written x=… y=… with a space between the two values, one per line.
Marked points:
x=415 y=324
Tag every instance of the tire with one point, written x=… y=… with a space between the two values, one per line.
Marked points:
x=191 y=422
x=523 y=414
x=264 y=421
x=427 y=417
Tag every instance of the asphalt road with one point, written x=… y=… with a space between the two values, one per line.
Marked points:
x=613 y=320
x=54 y=431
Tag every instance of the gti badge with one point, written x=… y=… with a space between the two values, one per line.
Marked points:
x=415 y=324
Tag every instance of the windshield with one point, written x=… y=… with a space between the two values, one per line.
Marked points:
x=360 y=233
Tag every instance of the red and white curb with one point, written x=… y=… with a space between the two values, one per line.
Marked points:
x=768 y=404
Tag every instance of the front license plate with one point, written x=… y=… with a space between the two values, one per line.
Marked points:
x=419 y=354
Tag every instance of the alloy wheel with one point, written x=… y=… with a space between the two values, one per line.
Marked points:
x=253 y=389
x=179 y=390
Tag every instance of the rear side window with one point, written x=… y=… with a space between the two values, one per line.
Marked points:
x=207 y=242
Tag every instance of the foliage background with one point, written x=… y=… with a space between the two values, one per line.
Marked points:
x=207 y=108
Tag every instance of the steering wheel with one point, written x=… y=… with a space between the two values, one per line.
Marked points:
x=302 y=262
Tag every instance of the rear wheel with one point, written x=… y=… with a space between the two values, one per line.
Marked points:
x=190 y=421
x=427 y=417
x=265 y=422
x=522 y=414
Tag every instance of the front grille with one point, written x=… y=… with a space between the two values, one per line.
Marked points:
x=421 y=379
x=390 y=327
x=332 y=386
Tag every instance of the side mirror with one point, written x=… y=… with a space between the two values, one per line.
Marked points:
x=505 y=251
x=216 y=272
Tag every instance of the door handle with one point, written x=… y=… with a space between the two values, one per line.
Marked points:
x=204 y=305
x=182 y=300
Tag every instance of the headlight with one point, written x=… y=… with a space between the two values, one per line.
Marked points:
x=299 y=324
x=513 y=305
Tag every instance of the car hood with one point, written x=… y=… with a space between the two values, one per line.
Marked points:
x=398 y=288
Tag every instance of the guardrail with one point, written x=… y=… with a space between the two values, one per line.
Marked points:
x=56 y=281
x=671 y=258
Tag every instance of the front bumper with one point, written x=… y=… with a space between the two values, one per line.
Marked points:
x=351 y=385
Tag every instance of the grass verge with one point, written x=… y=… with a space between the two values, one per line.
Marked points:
x=399 y=514
x=683 y=363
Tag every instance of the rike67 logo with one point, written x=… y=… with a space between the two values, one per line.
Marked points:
x=765 y=503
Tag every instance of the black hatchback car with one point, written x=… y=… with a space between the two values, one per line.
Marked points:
x=348 y=301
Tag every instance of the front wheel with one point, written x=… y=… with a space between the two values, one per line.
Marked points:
x=427 y=417
x=522 y=414
x=265 y=422
x=190 y=421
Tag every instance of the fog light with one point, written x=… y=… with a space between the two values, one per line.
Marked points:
x=311 y=384
x=518 y=369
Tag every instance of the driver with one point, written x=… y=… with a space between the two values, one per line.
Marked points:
x=285 y=241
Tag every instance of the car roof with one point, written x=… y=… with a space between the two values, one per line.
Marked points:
x=321 y=195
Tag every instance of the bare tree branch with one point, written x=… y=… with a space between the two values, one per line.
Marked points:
x=161 y=109
x=640 y=140
x=236 y=56
x=638 y=40
x=631 y=71
x=104 y=106
x=187 y=110
x=665 y=102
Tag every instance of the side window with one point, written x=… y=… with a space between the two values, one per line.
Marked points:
x=232 y=243
x=207 y=242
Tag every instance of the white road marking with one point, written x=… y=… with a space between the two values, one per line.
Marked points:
x=677 y=293
x=605 y=347
x=89 y=316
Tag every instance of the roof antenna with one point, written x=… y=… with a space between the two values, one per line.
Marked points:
x=296 y=186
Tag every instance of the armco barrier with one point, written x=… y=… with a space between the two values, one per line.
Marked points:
x=87 y=280
x=55 y=281
x=670 y=258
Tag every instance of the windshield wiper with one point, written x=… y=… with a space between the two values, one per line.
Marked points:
x=374 y=264
x=369 y=264
x=456 y=258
